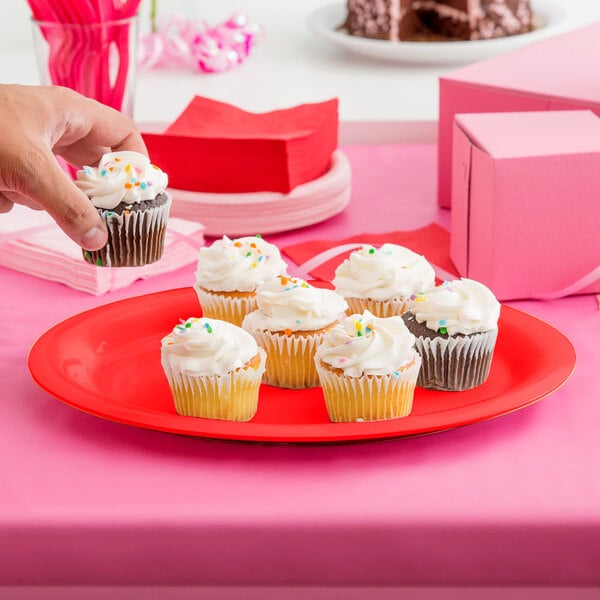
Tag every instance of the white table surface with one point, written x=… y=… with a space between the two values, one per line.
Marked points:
x=291 y=66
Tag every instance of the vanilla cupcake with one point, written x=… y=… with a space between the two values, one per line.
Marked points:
x=368 y=368
x=456 y=326
x=228 y=273
x=214 y=369
x=290 y=322
x=130 y=195
x=381 y=280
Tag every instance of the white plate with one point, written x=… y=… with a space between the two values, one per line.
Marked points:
x=326 y=21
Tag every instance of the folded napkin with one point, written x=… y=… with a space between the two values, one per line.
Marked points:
x=214 y=147
x=31 y=242
x=318 y=259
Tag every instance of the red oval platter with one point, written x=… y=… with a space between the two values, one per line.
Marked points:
x=106 y=362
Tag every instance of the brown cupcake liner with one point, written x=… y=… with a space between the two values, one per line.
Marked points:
x=370 y=397
x=456 y=363
x=225 y=307
x=380 y=308
x=230 y=397
x=135 y=237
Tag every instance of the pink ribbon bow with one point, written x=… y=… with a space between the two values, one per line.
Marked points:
x=210 y=49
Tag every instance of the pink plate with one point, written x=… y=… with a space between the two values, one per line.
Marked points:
x=106 y=362
x=268 y=212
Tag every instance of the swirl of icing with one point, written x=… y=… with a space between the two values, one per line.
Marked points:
x=461 y=306
x=289 y=303
x=201 y=346
x=240 y=265
x=367 y=345
x=126 y=176
x=391 y=271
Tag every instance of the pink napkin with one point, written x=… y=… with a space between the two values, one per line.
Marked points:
x=318 y=259
x=31 y=242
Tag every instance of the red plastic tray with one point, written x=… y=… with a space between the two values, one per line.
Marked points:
x=106 y=362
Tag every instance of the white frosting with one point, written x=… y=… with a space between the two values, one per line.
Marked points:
x=462 y=306
x=201 y=346
x=121 y=177
x=288 y=303
x=368 y=345
x=240 y=265
x=389 y=272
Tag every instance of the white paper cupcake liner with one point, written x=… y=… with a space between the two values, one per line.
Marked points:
x=456 y=363
x=369 y=398
x=232 y=396
x=380 y=308
x=290 y=358
x=224 y=307
x=135 y=238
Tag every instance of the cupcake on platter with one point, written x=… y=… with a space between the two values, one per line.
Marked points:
x=130 y=195
x=456 y=326
x=368 y=368
x=381 y=280
x=230 y=270
x=290 y=322
x=214 y=369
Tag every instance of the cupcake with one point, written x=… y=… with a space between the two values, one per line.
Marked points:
x=368 y=368
x=381 y=280
x=456 y=326
x=214 y=369
x=291 y=319
x=228 y=273
x=130 y=195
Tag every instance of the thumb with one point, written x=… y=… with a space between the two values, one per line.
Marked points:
x=43 y=180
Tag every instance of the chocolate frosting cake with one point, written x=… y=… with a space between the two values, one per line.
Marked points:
x=423 y=20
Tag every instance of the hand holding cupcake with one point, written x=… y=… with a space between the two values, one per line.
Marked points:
x=130 y=195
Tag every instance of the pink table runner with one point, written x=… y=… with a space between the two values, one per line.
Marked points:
x=512 y=501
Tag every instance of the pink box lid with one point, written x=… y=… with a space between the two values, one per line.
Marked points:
x=528 y=134
x=532 y=69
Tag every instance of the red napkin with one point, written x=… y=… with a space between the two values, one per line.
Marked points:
x=216 y=147
x=431 y=241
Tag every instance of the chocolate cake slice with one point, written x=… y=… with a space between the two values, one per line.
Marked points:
x=381 y=19
x=473 y=19
x=404 y=20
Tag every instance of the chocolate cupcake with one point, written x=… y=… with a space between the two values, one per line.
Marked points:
x=455 y=325
x=130 y=196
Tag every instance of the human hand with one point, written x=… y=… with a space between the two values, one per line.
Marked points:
x=38 y=122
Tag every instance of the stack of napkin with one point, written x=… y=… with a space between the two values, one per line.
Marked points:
x=241 y=173
x=214 y=147
x=31 y=242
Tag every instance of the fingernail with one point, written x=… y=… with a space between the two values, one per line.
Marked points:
x=94 y=239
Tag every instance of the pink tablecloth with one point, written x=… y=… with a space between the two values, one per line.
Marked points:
x=86 y=502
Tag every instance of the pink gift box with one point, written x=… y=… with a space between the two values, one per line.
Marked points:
x=526 y=202
x=555 y=74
